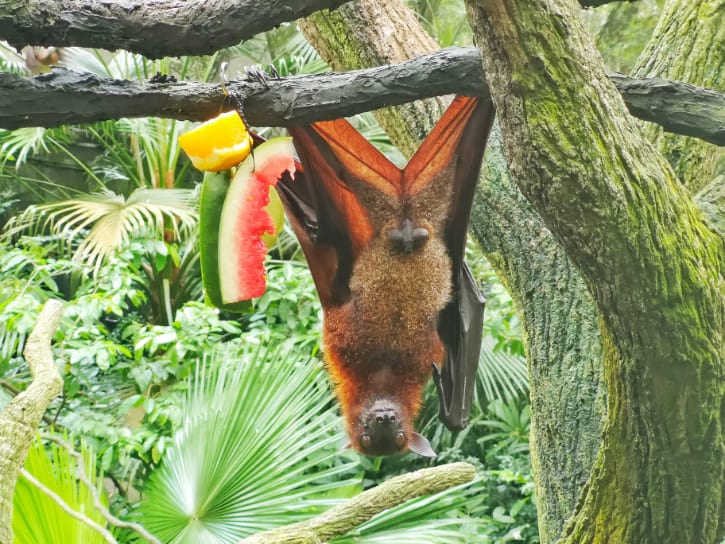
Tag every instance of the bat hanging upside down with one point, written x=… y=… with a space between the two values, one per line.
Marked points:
x=385 y=247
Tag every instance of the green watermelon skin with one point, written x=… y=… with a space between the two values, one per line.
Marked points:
x=244 y=220
x=213 y=191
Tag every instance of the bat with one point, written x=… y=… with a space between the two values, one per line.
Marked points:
x=385 y=247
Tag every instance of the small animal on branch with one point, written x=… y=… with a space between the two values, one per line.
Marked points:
x=385 y=247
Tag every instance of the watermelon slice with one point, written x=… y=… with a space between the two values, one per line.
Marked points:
x=244 y=220
x=213 y=191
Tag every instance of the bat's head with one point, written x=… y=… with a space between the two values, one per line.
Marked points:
x=381 y=430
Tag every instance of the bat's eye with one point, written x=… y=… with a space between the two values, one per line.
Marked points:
x=400 y=438
x=366 y=440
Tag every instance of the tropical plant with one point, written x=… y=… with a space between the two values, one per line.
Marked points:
x=510 y=423
x=502 y=376
x=444 y=20
x=37 y=518
x=258 y=448
x=113 y=220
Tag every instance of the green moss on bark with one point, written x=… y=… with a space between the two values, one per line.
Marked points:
x=687 y=45
x=652 y=264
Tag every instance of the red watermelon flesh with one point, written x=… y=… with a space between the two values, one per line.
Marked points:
x=244 y=220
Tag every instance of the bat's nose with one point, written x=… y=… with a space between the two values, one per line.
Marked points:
x=385 y=416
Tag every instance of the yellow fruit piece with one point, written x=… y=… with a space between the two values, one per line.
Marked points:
x=276 y=212
x=218 y=144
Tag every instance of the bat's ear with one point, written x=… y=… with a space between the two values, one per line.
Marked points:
x=419 y=444
x=345 y=444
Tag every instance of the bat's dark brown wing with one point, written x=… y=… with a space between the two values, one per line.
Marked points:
x=330 y=220
x=345 y=183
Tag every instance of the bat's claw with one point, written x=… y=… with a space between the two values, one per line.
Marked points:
x=254 y=73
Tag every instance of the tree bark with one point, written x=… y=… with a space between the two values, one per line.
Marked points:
x=345 y=517
x=19 y=422
x=563 y=345
x=347 y=40
x=654 y=267
x=65 y=97
x=154 y=28
x=688 y=44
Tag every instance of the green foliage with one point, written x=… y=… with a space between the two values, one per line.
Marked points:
x=255 y=451
x=444 y=20
x=622 y=29
x=501 y=375
x=510 y=490
x=510 y=424
x=447 y=517
x=112 y=219
x=37 y=519
x=289 y=311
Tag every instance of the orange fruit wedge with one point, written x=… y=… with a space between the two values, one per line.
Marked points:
x=217 y=144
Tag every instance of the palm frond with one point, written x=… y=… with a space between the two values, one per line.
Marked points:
x=368 y=126
x=258 y=449
x=18 y=145
x=112 y=220
x=84 y=60
x=11 y=60
x=450 y=516
x=37 y=519
x=501 y=375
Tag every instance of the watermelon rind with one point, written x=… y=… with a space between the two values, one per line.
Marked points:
x=244 y=220
x=213 y=190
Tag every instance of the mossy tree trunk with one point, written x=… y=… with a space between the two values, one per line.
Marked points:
x=560 y=322
x=654 y=267
x=687 y=45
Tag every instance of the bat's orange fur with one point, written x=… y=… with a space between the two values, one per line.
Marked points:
x=383 y=342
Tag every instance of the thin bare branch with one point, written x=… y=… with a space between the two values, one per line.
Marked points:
x=19 y=421
x=107 y=536
x=83 y=477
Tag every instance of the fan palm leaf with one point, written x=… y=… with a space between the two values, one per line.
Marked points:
x=501 y=375
x=258 y=449
x=37 y=519
x=112 y=219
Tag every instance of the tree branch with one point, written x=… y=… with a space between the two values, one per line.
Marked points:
x=345 y=517
x=595 y=3
x=154 y=28
x=678 y=107
x=64 y=97
x=20 y=419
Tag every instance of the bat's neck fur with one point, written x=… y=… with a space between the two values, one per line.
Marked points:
x=383 y=342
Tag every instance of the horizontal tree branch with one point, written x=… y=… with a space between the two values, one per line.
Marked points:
x=154 y=28
x=345 y=517
x=595 y=3
x=64 y=97
x=678 y=107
